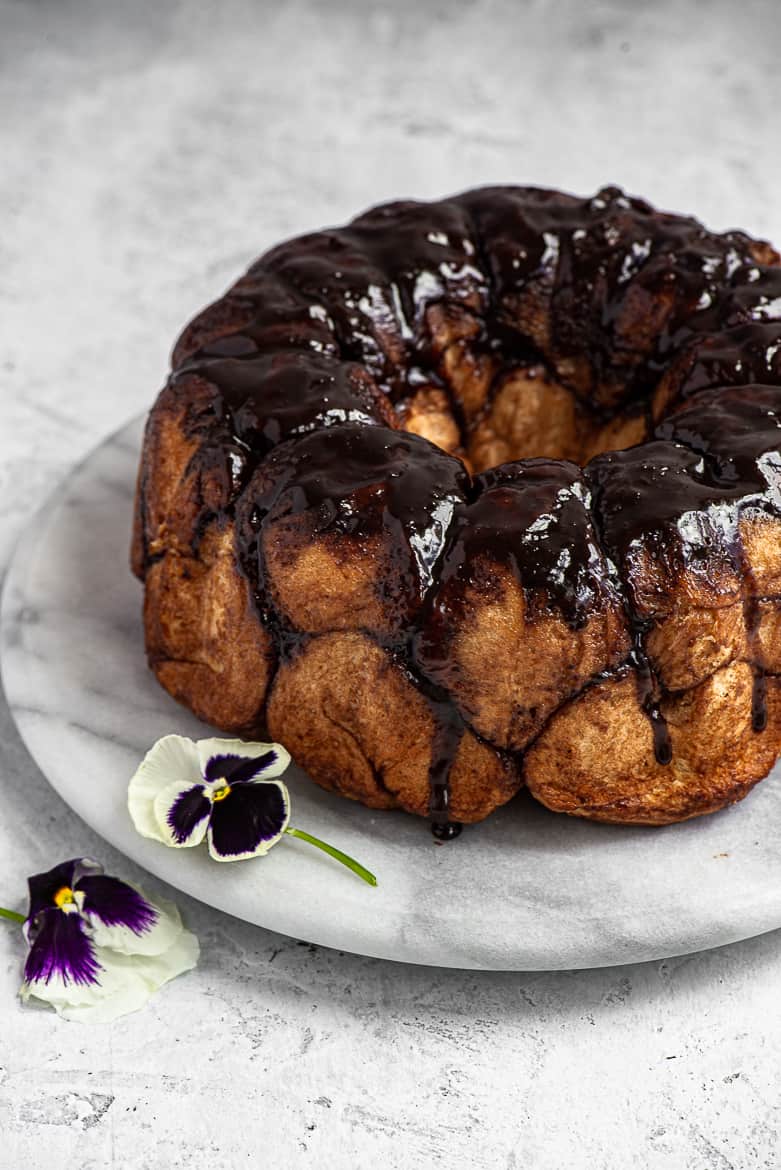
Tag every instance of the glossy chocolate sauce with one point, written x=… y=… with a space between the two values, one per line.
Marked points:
x=535 y=517
x=268 y=398
x=735 y=357
x=614 y=298
x=449 y=730
x=751 y=616
x=531 y=520
x=738 y=431
x=349 y=484
x=666 y=509
x=261 y=312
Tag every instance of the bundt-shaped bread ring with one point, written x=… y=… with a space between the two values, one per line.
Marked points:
x=478 y=492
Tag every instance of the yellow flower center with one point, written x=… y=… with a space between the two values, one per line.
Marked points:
x=64 y=897
x=221 y=793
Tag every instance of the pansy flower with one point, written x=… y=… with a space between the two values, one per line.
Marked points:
x=99 y=948
x=225 y=791
x=222 y=789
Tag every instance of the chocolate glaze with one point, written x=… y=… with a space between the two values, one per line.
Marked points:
x=429 y=254
x=570 y=276
x=535 y=516
x=659 y=501
x=378 y=275
x=606 y=287
x=666 y=508
x=613 y=296
x=533 y=519
x=733 y=357
x=268 y=398
x=350 y=483
x=738 y=431
x=260 y=312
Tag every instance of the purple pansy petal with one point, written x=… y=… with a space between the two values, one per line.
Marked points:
x=249 y=821
x=238 y=769
x=60 y=949
x=186 y=813
x=43 y=886
x=210 y=749
x=119 y=939
x=115 y=903
x=190 y=808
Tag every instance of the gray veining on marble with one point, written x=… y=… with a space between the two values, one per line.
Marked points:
x=148 y=152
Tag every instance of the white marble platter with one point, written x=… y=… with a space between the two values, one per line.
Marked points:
x=525 y=890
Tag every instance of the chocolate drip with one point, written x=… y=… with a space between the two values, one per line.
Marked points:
x=428 y=253
x=449 y=730
x=356 y=479
x=378 y=276
x=659 y=516
x=447 y=831
x=759 y=700
x=677 y=505
x=751 y=617
x=535 y=517
x=648 y=692
x=738 y=430
x=447 y=738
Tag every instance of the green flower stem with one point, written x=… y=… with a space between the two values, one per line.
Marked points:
x=350 y=862
x=11 y=915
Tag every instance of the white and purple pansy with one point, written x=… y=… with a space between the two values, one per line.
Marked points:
x=99 y=948
x=223 y=790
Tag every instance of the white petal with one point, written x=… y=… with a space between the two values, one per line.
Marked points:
x=115 y=995
x=163 y=803
x=239 y=747
x=86 y=867
x=172 y=760
x=159 y=938
x=127 y=982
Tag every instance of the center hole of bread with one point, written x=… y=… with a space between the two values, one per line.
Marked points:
x=524 y=413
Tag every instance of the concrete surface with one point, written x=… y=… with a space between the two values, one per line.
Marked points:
x=148 y=151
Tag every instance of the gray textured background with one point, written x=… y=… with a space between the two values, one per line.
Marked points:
x=148 y=151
